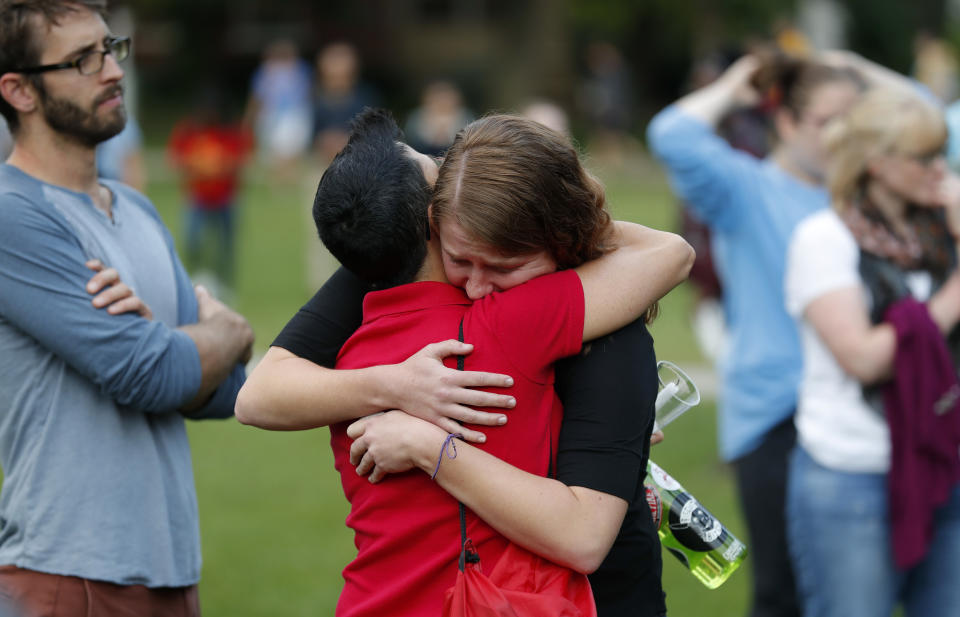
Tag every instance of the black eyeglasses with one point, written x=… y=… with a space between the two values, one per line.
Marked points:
x=92 y=61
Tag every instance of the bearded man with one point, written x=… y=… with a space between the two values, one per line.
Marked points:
x=98 y=512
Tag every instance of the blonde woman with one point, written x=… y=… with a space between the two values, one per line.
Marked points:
x=853 y=273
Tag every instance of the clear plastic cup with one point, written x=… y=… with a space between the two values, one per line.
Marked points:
x=677 y=394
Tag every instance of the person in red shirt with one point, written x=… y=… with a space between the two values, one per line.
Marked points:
x=407 y=533
x=210 y=155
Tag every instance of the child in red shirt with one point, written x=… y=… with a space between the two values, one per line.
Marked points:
x=210 y=155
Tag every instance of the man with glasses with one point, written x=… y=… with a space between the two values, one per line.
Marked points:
x=98 y=512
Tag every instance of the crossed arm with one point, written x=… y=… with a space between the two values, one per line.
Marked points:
x=139 y=363
x=222 y=337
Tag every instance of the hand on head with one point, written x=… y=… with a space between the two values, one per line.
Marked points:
x=738 y=78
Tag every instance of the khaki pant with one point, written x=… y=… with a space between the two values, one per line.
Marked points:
x=36 y=594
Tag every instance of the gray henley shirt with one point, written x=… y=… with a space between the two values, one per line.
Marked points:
x=98 y=477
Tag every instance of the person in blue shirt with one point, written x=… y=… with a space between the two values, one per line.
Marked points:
x=98 y=506
x=279 y=107
x=751 y=207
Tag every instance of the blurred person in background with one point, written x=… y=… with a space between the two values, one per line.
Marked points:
x=98 y=502
x=549 y=114
x=935 y=66
x=6 y=140
x=791 y=39
x=606 y=100
x=605 y=459
x=744 y=128
x=432 y=126
x=874 y=488
x=121 y=157
x=340 y=95
x=751 y=207
x=951 y=115
x=279 y=109
x=210 y=154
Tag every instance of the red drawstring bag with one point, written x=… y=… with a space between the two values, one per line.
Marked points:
x=521 y=585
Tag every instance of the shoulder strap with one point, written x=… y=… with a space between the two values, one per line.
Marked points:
x=467 y=552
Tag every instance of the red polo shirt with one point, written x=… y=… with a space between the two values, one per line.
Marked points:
x=407 y=530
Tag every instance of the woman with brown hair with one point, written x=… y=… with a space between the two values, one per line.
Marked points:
x=873 y=507
x=512 y=202
x=538 y=200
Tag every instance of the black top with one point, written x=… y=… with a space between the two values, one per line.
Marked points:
x=608 y=395
x=326 y=321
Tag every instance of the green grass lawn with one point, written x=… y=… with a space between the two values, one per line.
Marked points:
x=272 y=511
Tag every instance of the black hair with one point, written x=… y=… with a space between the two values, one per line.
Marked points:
x=788 y=82
x=371 y=204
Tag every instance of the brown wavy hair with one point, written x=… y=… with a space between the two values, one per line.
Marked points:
x=22 y=24
x=519 y=187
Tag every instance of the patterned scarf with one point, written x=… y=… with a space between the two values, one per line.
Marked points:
x=925 y=245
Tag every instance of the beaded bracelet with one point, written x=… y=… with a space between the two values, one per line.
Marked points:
x=450 y=447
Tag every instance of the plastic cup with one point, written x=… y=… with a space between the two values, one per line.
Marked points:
x=677 y=394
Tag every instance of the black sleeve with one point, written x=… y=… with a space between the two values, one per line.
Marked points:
x=608 y=395
x=326 y=321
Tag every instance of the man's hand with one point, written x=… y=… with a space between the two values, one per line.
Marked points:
x=656 y=438
x=110 y=292
x=393 y=442
x=223 y=339
x=427 y=389
x=210 y=309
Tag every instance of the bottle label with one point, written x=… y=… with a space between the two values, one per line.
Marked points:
x=733 y=551
x=663 y=479
x=693 y=526
x=655 y=504
x=693 y=515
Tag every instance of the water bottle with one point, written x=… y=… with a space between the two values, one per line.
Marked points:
x=690 y=532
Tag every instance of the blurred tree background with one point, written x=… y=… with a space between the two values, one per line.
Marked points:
x=500 y=52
